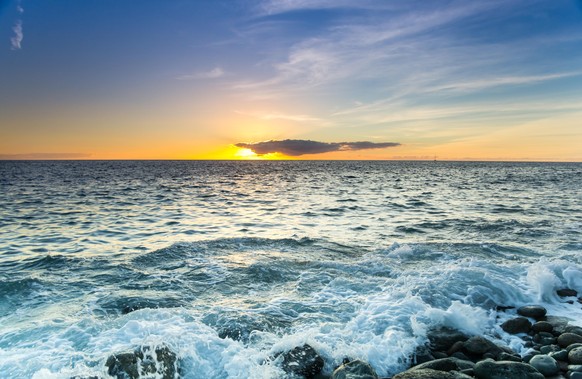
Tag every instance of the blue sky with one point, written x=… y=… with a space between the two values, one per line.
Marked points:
x=177 y=79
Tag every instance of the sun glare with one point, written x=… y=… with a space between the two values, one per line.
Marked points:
x=246 y=154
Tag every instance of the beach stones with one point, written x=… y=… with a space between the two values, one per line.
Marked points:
x=575 y=356
x=302 y=361
x=566 y=292
x=545 y=364
x=160 y=362
x=430 y=374
x=354 y=370
x=517 y=325
x=567 y=339
x=542 y=326
x=446 y=364
x=534 y=311
x=442 y=339
x=490 y=369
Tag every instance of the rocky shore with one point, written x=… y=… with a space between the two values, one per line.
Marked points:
x=554 y=352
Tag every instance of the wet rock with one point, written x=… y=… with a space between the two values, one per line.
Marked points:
x=461 y=356
x=558 y=323
x=542 y=326
x=566 y=292
x=160 y=361
x=509 y=357
x=354 y=370
x=478 y=345
x=575 y=375
x=545 y=338
x=560 y=355
x=575 y=356
x=422 y=354
x=534 y=311
x=567 y=339
x=446 y=364
x=545 y=364
x=302 y=361
x=439 y=354
x=574 y=329
x=549 y=349
x=429 y=374
x=573 y=346
x=575 y=368
x=502 y=370
x=442 y=339
x=516 y=325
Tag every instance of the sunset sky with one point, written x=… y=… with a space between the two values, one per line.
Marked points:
x=341 y=79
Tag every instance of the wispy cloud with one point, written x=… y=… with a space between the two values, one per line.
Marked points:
x=16 y=40
x=216 y=72
x=297 y=147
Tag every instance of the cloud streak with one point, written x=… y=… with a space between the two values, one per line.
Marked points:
x=16 y=40
x=216 y=72
x=298 y=147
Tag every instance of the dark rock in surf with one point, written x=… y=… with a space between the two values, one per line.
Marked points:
x=442 y=339
x=516 y=325
x=478 y=346
x=574 y=329
x=567 y=339
x=575 y=356
x=534 y=311
x=354 y=370
x=567 y=292
x=489 y=369
x=302 y=361
x=542 y=326
x=161 y=362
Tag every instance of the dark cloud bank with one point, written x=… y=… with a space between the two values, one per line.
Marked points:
x=297 y=147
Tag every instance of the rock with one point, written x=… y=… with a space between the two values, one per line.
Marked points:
x=457 y=346
x=516 y=325
x=542 y=326
x=442 y=339
x=478 y=345
x=534 y=311
x=567 y=339
x=576 y=375
x=446 y=364
x=573 y=346
x=509 y=357
x=575 y=368
x=559 y=324
x=575 y=356
x=502 y=370
x=566 y=292
x=561 y=355
x=429 y=374
x=354 y=370
x=439 y=355
x=143 y=361
x=461 y=356
x=302 y=361
x=549 y=349
x=574 y=329
x=545 y=364
x=421 y=355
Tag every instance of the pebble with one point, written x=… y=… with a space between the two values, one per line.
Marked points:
x=534 y=311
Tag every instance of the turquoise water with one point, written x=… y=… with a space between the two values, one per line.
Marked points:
x=229 y=262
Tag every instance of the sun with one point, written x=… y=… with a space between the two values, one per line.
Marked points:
x=246 y=154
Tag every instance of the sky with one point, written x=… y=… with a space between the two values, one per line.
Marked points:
x=299 y=79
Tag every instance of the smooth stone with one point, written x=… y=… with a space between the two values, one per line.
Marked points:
x=566 y=292
x=478 y=345
x=442 y=339
x=542 y=326
x=574 y=329
x=461 y=356
x=516 y=325
x=575 y=356
x=509 y=357
x=446 y=364
x=421 y=355
x=567 y=339
x=489 y=369
x=545 y=364
x=534 y=311
x=429 y=374
x=576 y=375
x=559 y=323
x=457 y=346
x=561 y=355
x=439 y=354
x=575 y=368
x=354 y=370
x=302 y=361
x=573 y=346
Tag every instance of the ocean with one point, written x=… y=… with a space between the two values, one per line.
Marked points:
x=228 y=263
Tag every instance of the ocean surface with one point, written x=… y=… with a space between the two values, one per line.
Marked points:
x=228 y=263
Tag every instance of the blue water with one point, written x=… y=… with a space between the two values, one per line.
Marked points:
x=228 y=263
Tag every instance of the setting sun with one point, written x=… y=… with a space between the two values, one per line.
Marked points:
x=247 y=154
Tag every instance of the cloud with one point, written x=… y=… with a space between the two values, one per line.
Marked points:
x=297 y=147
x=216 y=72
x=48 y=156
x=16 y=40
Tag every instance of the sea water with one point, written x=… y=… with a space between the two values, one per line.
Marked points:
x=228 y=263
